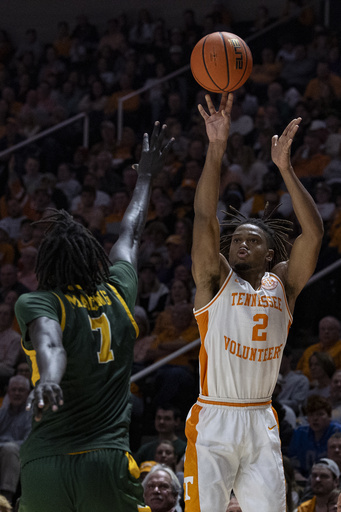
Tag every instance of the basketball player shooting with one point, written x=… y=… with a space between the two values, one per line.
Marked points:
x=244 y=303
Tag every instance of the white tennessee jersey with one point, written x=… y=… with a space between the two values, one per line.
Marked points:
x=243 y=333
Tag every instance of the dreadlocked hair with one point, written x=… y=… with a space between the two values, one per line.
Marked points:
x=275 y=230
x=69 y=255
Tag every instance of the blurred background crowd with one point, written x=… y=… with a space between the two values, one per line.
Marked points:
x=82 y=69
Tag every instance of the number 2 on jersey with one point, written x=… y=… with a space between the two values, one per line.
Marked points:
x=261 y=324
x=101 y=325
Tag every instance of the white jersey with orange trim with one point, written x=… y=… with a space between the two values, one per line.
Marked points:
x=243 y=333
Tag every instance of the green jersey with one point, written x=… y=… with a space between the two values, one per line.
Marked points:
x=98 y=335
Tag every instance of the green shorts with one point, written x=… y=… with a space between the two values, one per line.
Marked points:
x=99 y=480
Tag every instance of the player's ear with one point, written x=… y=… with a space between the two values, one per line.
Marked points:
x=270 y=255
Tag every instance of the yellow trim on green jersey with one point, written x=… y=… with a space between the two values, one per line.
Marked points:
x=134 y=470
x=63 y=320
x=32 y=354
x=122 y=301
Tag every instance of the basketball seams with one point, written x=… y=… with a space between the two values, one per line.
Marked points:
x=203 y=61
x=203 y=55
x=246 y=54
x=227 y=61
x=204 y=86
x=231 y=63
x=206 y=68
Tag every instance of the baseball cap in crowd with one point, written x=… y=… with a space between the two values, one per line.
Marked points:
x=174 y=239
x=331 y=465
x=317 y=124
x=147 y=465
x=188 y=183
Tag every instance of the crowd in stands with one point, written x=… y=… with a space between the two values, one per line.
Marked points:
x=297 y=72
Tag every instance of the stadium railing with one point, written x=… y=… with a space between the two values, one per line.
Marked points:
x=53 y=129
x=180 y=71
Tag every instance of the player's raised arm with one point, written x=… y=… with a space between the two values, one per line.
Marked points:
x=206 y=233
x=152 y=160
x=304 y=253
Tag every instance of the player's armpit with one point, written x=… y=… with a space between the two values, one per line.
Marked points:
x=208 y=283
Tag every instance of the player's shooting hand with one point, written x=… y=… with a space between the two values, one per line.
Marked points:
x=154 y=153
x=44 y=395
x=281 y=146
x=217 y=121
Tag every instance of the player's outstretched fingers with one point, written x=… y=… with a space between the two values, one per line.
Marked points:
x=229 y=103
x=223 y=102
x=210 y=105
x=167 y=147
x=39 y=397
x=36 y=402
x=145 y=143
x=226 y=102
x=54 y=395
x=274 y=140
x=291 y=126
x=30 y=400
x=295 y=126
x=155 y=134
x=203 y=112
x=161 y=137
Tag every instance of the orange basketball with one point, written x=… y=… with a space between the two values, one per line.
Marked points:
x=221 y=62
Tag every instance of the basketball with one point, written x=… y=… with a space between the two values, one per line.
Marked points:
x=221 y=62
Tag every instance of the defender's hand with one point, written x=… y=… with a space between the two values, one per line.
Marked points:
x=43 y=396
x=154 y=154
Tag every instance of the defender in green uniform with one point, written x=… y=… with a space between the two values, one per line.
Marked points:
x=78 y=332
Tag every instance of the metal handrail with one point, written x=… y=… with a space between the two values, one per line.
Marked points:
x=140 y=91
x=324 y=272
x=53 y=129
x=195 y=343
x=165 y=360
